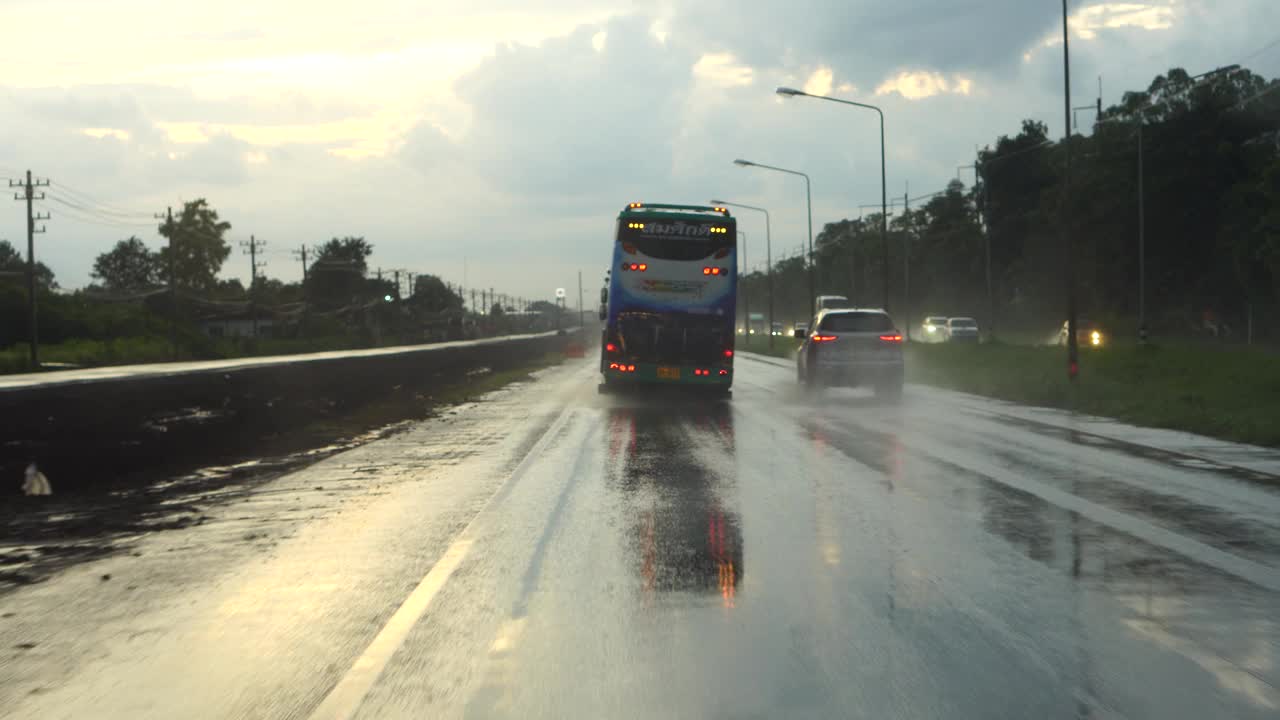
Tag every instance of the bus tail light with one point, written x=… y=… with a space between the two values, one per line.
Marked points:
x=610 y=347
x=643 y=267
x=728 y=353
x=629 y=248
x=824 y=338
x=724 y=373
x=722 y=252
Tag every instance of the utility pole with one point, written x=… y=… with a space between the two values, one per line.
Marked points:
x=1142 y=242
x=473 y=299
x=582 y=319
x=173 y=280
x=397 y=281
x=1073 y=350
x=252 y=247
x=30 y=195
x=906 y=265
x=301 y=253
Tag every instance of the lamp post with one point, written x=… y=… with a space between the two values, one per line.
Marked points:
x=808 y=199
x=884 y=189
x=1073 y=349
x=768 y=262
x=746 y=297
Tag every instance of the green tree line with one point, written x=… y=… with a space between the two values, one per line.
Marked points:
x=1210 y=154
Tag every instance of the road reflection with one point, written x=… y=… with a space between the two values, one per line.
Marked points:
x=670 y=463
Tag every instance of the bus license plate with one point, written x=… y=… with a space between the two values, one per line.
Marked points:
x=668 y=373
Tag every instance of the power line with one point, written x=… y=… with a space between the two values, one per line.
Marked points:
x=87 y=198
x=83 y=216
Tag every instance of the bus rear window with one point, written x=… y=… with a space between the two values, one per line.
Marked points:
x=857 y=322
x=679 y=248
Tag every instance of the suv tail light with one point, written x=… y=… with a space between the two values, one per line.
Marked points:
x=824 y=338
x=894 y=338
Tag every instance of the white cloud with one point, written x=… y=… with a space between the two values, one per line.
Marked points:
x=819 y=83
x=921 y=84
x=722 y=70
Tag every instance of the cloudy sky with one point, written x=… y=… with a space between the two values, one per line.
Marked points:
x=499 y=138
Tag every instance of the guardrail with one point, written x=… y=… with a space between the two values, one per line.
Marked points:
x=111 y=421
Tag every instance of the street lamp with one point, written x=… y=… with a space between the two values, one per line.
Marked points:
x=808 y=199
x=746 y=297
x=884 y=189
x=1073 y=349
x=768 y=261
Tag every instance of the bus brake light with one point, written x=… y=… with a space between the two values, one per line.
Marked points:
x=610 y=347
x=728 y=353
x=724 y=373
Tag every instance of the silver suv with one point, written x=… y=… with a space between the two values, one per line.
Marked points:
x=852 y=348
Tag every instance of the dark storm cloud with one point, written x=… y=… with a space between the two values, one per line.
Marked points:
x=563 y=118
x=866 y=40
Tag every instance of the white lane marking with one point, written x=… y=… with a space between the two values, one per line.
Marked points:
x=345 y=698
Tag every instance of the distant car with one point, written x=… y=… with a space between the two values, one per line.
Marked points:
x=852 y=348
x=777 y=328
x=935 y=328
x=832 y=302
x=802 y=328
x=962 y=329
x=1088 y=334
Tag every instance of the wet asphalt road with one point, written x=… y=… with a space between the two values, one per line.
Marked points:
x=553 y=553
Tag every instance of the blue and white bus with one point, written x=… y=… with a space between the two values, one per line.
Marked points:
x=670 y=304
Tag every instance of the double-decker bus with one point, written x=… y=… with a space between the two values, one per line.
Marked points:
x=669 y=307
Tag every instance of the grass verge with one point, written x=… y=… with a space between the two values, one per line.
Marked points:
x=783 y=347
x=1232 y=394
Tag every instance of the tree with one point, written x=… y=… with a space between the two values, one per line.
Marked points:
x=352 y=250
x=197 y=247
x=431 y=293
x=130 y=265
x=337 y=274
x=13 y=268
x=497 y=311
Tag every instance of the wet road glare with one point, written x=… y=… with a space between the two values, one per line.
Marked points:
x=554 y=553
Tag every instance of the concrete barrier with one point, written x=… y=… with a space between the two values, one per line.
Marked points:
x=85 y=427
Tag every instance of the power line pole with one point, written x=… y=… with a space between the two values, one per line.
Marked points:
x=1073 y=350
x=29 y=194
x=906 y=265
x=173 y=280
x=253 y=246
x=581 y=317
x=397 y=276
x=473 y=299
x=301 y=253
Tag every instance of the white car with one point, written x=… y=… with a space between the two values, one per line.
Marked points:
x=962 y=329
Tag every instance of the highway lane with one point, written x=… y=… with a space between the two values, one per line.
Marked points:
x=554 y=553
